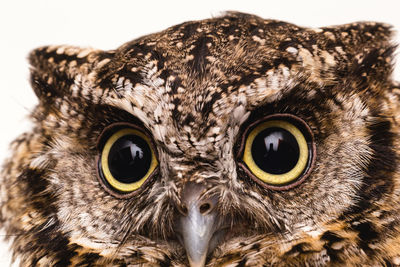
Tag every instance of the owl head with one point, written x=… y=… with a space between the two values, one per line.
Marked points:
x=232 y=141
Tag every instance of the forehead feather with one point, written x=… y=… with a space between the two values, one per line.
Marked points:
x=203 y=69
x=199 y=61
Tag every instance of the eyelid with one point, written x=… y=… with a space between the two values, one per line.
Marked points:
x=110 y=129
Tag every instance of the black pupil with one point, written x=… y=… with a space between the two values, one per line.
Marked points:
x=275 y=150
x=129 y=159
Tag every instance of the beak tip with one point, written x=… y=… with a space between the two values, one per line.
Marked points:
x=197 y=231
x=196 y=252
x=198 y=263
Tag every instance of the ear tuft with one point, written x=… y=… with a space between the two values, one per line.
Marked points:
x=54 y=69
x=361 y=35
x=369 y=49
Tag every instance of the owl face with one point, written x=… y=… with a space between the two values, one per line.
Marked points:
x=230 y=141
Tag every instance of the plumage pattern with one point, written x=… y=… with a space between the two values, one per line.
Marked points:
x=195 y=88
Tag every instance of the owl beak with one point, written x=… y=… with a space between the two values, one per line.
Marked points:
x=197 y=224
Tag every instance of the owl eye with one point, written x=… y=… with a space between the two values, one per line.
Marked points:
x=127 y=160
x=278 y=151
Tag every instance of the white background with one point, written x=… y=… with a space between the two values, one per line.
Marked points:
x=25 y=25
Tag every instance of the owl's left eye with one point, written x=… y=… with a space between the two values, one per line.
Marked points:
x=278 y=151
x=127 y=160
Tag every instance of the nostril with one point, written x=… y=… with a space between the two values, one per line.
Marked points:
x=183 y=209
x=204 y=208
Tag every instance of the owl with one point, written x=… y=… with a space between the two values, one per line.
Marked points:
x=231 y=141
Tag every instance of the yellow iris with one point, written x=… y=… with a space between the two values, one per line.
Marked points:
x=277 y=179
x=118 y=185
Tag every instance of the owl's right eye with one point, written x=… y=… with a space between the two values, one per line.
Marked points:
x=127 y=160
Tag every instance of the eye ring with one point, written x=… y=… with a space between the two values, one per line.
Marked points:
x=107 y=139
x=307 y=148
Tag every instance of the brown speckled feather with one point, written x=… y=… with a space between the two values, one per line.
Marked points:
x=194 y=89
